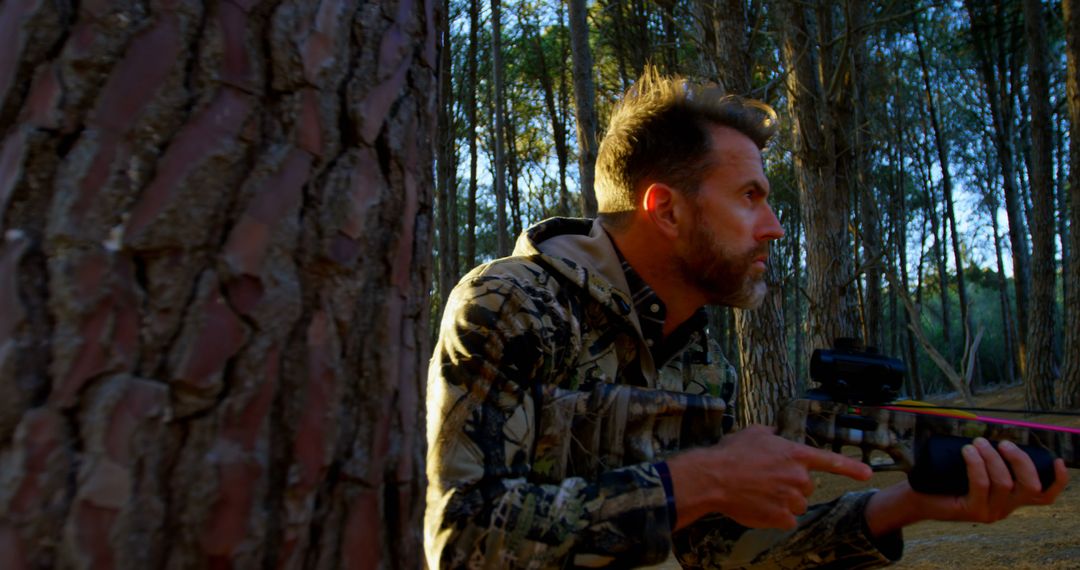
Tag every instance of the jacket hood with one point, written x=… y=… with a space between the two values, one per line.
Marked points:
x=581 y=251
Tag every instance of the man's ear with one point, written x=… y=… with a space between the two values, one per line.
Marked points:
x=662 y=207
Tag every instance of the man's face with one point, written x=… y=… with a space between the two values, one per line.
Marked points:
x=726 y=249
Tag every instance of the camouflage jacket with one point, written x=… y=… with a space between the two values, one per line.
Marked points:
x=547 y=414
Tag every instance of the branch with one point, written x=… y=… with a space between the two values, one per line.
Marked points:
x=916 y=327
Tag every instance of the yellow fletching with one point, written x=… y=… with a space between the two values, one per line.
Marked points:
x=935 y=409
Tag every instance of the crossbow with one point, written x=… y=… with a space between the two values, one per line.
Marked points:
x=855 y=405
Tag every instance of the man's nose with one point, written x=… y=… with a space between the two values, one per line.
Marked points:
x=769 y=227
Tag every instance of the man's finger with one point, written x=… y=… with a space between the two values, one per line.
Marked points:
x=1023 y=469
x=821 y=460
x=1061 y=478
x=978 y=479
x=1001 y=480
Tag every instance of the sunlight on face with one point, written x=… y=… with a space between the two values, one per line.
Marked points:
x=729 y=278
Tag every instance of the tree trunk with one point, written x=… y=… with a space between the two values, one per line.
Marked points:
x=947 y=188
x=498 y=89
x=558 y=128
x=1008 y=329
x=585 y=105
x=469 y=258
x=829 y=271
x=853 y=124
x=1041 y=372
x=213 y=329
x=939 y=232
x=447 y=181
x=513 y=168
x=1069 y=397
x=914 y=380
x=1017 y=231
x=722 y=27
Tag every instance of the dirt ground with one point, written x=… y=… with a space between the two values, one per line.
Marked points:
x=1033 y=537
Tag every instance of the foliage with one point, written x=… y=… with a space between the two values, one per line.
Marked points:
x=903 y=178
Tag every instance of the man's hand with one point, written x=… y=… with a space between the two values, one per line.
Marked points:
x=999 y=483
x=754 y=477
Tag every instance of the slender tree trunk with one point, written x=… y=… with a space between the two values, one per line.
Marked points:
x=667 y=26
x=447 y=162
x=213 y=298
x=939 y=232
x=947 y=188
x=796 y=262
x=1041 y=372
x=585 y=105
x=1017 y=230
x=502 y=236
x=620 y=37
x=558 y=129
x=512 y=164
x=470 y=113
x=914 y=380
x=1062 y=201
x=1069 y=397
x=1009 y=329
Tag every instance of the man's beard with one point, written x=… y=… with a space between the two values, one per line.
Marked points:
x=724 y=276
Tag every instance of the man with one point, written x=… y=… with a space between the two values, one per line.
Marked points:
x=560 y=389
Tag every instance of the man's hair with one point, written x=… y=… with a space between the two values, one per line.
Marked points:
x=659 y=132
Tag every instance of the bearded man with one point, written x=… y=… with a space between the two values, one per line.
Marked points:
x=570 y=378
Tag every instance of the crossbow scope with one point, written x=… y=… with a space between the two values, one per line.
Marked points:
x=852 y=373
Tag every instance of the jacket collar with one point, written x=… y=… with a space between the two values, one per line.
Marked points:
x=582 y=252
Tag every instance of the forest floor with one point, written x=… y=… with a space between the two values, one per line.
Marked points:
x=1033 y=537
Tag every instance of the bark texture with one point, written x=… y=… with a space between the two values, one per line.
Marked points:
x=1041 y=371
x=1069 y=397
x=216 y=240
x=830 y=281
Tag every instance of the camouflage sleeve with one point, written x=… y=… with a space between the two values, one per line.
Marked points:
x=499 y=343
x=829 y=535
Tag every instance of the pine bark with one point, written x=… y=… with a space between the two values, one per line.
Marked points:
x=1041 y=371
x=213 y=279
x=829 y=263
x=1069 y=396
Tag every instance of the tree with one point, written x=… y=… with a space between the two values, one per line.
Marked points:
x=585 y=105
x=217 y=248
x=447 y=166
x=947 y=188
x=1041 y=370
x=498 y=87
x=470 y=114
x=1070 y=377
x=829 y=271
x=981 y=33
